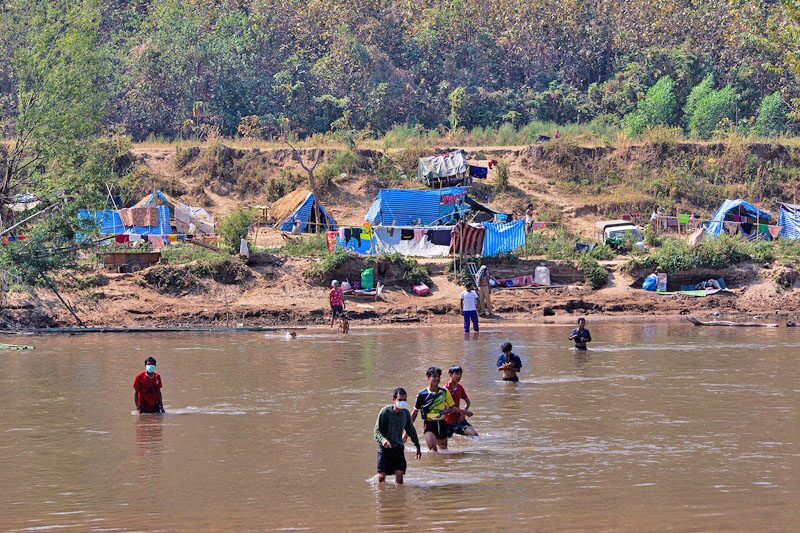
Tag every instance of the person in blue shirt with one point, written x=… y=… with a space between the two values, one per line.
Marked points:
x=508 y=363
x=581 y=335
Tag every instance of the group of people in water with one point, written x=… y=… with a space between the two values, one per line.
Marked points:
x=441 y=411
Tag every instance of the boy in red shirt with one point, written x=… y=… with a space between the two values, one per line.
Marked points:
x=147 y=389
x=457 y=422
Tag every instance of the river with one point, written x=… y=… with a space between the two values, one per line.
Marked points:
x=657 y=427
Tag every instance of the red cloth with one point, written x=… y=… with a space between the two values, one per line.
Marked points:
x=335 y=296
x=473 y=239
x=774 y=231
x=122 y=239
x=147 y=390
x=331 y=238
x=457 y=392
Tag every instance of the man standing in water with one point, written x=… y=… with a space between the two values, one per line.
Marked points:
x=393 y=421
x=484 y=291
x=434 y=402
x=508 y=363
x=581 y=335
x=457 y=422
x=469 y=308
x=147 y=389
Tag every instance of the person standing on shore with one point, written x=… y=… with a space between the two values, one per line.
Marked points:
x=508 y=363
x=147 y=389
x=336 y=298
x=581 y=335
x=528 y=218
x=393 y=422
x=484 y=291
x=469 y=308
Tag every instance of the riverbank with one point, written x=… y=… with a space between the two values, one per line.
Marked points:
x=280 y=296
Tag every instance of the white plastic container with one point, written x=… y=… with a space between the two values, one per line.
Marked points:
x=542 y=276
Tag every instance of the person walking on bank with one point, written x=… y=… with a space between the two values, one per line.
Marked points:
x=581 y=335
x=393 y=422
x=484 y=291
x=336 y=297
x=469 y=308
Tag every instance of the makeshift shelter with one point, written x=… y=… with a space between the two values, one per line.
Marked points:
x=789 y=221
x=738 y=215
x=183 y=216
x=443 y=169
x=483 y=213
x=412 y=207
x=301 y=206
x=109 y=222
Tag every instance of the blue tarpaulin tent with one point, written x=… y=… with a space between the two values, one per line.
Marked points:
x=735 y=207
x=789 y=221
x=409 y=207
x=502 y=238
x=108 y=222
x=299 y=205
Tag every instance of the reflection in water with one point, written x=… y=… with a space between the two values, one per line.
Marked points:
x=148 y=434
x=655 y=428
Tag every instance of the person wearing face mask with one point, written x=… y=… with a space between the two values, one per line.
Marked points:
x=393 y=422
x=147 y=389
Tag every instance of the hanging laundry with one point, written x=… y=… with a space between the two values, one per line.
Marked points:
x=747 y=227
x=352 y=233
x=122 y=239
x=467 y=239
x=480 y=173
x=774 y=231
x=536 y=226
x=440 y=237
x=406 y=234
x=342 y=234
x=330 y=237
x=135 y=237
x=157 y=242
x=762 y=228
x=419 y=233
x=172 y=238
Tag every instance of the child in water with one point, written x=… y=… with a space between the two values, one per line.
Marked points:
x=581 y=335
x=508 y=363
x=345 y=325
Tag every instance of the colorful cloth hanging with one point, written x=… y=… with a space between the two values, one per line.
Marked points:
x=467 y=239
x=774 y=231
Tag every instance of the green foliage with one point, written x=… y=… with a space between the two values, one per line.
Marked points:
x=558 y=245
x=771 y=120
x=328 y=264
x=186 y=253
x=698 y=93
x=501 y=176
x=233 y=228
x=412 y=272
x=188 y=277
x=596 y=276
x=342 y=162
x=311 y=246
x=457 y=99
x=659 y=104
x=711 y=111
x=603 y=252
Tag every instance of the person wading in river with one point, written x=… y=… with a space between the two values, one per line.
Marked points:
x=147 y=389
x=393 y=425
x=336 y=298
x=457 y=422
x=508 y=363
x=434 y=402
x=581 y=335
x=469 y=308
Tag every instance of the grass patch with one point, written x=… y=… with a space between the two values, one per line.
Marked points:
x=313 y=246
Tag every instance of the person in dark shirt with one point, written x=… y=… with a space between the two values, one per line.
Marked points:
x=434 y=402
x=508 y=363
x=391 y=428
x=581 y=335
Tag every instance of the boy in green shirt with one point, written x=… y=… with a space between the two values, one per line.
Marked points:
x=392 y=421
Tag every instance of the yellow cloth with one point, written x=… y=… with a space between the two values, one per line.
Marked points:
x=172 y=238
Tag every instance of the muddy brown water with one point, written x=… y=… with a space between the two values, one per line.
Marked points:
x=666 y=427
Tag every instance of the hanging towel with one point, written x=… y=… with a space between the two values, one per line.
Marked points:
x=342 y=234
x=467 y=239
x=330 y=237
x=440 y=237
x=762 y=228
x=157 y=242
x=418 y=234
x=683 y=218
x=172 y=238
x=352 y=233
x=122 y=239
x=731 y=227
x=135 y=237
x=774 y=231
x=406 y=234
x=480 y=173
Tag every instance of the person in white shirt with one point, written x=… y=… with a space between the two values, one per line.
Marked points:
x=469 y=308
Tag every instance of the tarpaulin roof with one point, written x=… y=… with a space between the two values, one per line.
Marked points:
x=108 y=222
x=502 y=238
x=789 y=220
x=441 y=166
x=408 y=207
x=747 y=209
x=303 y=213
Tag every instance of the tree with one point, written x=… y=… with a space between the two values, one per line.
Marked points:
x=657 y=108
x=235 y=227
x=457 y=99
x=771 y=118
x=711 y=110
x=698 y=92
